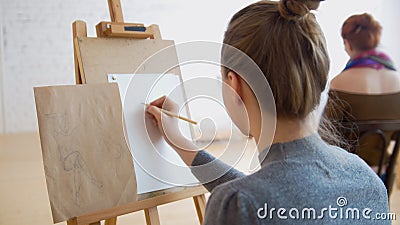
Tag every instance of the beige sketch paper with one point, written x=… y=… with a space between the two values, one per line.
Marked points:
x=87 y=162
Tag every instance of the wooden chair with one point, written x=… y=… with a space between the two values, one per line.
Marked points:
x=373 y=121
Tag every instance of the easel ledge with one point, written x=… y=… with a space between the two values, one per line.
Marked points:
x=117 y=28
x=110 y=215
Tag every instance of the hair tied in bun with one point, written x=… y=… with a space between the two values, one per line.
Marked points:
x=296 y=9
x=358 y=29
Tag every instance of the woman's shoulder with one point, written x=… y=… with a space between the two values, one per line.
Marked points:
x=349 y=162
x=348 y=77
x=331 y=165
x=245 y=187
x=227 y=199
x=341 y=81
x=366 y=81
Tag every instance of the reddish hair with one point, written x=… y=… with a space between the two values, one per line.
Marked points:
x=362 y=32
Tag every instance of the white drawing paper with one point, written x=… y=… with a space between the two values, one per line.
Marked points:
x=157 y=165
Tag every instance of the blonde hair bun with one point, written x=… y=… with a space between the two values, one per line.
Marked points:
x=296 y=9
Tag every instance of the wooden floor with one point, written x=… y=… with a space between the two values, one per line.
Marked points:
x=24 y=199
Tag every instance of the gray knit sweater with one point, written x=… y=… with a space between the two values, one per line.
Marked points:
x=305 y=181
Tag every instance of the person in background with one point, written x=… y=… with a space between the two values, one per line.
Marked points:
x=299 y=171
x=369 y=70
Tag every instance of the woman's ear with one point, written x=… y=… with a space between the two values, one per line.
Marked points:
x=347 y=46
x=235 y=82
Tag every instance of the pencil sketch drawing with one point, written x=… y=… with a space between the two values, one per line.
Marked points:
x=71 y=159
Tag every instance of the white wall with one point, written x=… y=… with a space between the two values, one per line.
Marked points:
x=391 y=33
x=37 y=50
x=37 y=43
x=2 y=119
x=331 y=16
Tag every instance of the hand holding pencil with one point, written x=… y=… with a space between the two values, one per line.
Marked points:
x=164 y=114
x=174 y=115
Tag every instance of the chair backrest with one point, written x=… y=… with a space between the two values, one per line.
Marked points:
x=367 y=107
x=371 y=114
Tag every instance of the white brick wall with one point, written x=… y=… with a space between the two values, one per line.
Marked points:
x=37 y=44
x=2 y=119
x=37 y=40
x=37 y=48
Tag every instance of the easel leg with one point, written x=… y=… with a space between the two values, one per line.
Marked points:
x=200 y=203
x=115 y=11
x=156 y=32
x=152 y=217
x=111 y=221
x=72 y=222
x=398 y=172
x=78 y=30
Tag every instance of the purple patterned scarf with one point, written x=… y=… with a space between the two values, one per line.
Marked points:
x=371 y=59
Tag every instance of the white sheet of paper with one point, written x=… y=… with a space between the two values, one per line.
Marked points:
x=157 y=165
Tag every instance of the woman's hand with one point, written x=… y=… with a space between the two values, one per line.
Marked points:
x=168 y=127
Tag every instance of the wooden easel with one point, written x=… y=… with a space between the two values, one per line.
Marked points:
x=117 y=28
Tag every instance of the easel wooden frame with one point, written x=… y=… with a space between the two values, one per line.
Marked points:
x=117 y=29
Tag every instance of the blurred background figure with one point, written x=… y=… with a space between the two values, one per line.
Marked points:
x=363 y=97
x=369 y=70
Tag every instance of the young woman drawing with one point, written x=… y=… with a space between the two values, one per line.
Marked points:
x=300 y=170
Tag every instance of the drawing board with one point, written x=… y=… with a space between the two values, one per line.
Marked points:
x=102 y=56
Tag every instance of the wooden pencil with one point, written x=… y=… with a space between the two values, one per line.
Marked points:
x=174 y=115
